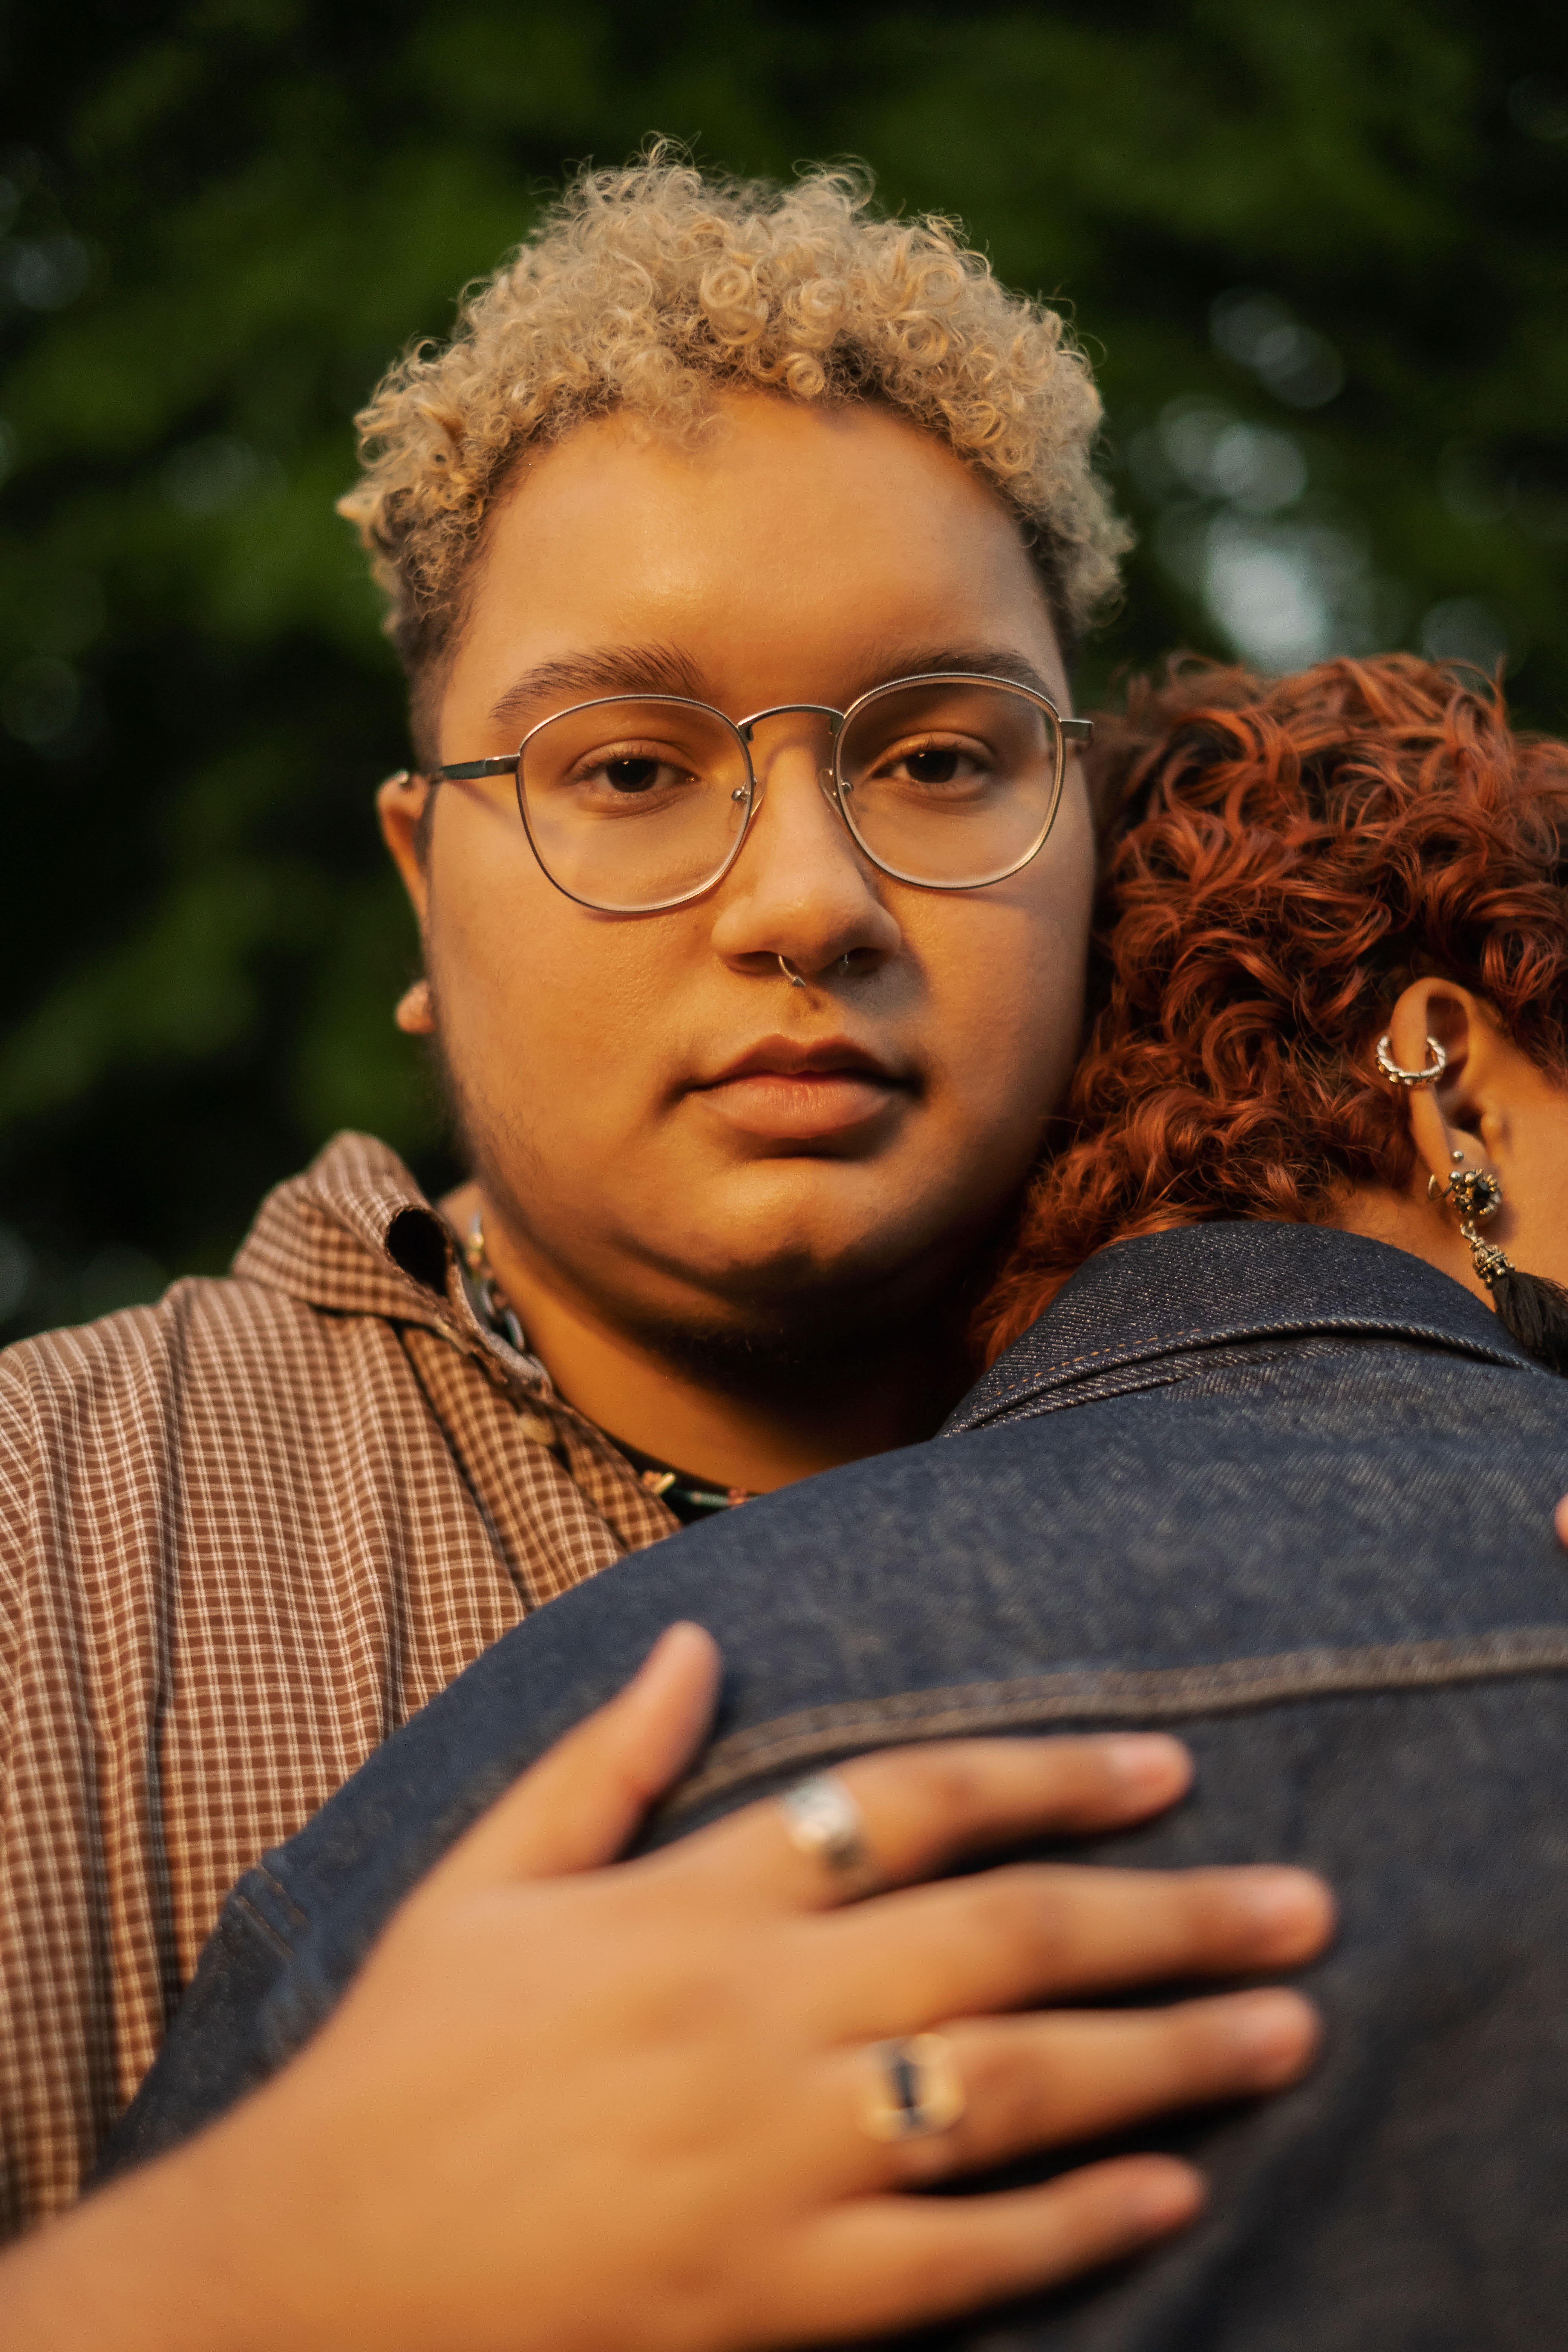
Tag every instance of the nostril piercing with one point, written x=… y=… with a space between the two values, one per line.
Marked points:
x=790 y=972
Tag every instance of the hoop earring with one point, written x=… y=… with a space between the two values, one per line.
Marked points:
x=1390 y=1069
x=1530 y=1307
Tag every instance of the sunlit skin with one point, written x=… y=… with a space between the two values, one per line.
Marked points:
x=656 y=1158
x=1494 y=1107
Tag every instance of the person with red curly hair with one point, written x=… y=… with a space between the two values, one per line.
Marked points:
x=1268 y=1466
x=1295 y=872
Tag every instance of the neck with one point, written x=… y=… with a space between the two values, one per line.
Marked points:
x=755 y=1412
x=1409 y=1221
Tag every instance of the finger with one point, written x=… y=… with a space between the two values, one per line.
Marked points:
x=1560 y=1520
x=922 y=1806
x=576 y=1808
x=1038 y=1931
x=1034 y=2083
x=887 y=2261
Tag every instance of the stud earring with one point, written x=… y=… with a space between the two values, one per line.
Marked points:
x=415 y=1014
x=1530 y=1307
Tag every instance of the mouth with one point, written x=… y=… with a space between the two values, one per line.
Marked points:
x=787 y=1091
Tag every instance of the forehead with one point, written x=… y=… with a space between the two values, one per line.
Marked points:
x=777 y=558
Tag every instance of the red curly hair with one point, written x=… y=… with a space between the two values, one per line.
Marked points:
x=1284 y=857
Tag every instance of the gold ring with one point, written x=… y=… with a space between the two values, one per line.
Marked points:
x=916 y=2088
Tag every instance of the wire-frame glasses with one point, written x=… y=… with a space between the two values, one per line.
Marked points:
x=634 y=803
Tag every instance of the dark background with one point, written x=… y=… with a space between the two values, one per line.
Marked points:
x=1320 y=248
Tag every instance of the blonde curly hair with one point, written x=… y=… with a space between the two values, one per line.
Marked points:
x=658 y=287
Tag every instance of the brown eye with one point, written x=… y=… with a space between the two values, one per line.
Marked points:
x=935 y=766
x=631 y=775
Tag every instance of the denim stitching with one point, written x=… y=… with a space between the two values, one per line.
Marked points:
x=1151 y=1351
x=1118 y=1695
x=240 y=1901
x=274 y=1884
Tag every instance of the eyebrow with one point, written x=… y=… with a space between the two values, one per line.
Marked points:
x=664 y=669
x=604 y=670
x=973 y=661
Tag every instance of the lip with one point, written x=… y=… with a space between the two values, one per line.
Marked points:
x=784 y=1090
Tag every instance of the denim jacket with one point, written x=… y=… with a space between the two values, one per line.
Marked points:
x=1287 y=1490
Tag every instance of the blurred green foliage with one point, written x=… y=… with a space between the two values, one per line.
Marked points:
x=1317 y=246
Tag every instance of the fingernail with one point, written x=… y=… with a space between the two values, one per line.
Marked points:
x=1148 y=1762
x=1291 y=1902
x=1164 y=2193
x=1276 y=2031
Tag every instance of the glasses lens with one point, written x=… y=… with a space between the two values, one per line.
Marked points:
x=950 y=781
x=633 y=803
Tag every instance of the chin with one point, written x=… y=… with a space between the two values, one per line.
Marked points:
x=791 y=1236
x=818 y=1282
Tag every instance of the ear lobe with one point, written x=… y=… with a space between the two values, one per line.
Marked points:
x=415 y=1014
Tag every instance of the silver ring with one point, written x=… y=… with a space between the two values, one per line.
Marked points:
x=824 y=1822
x=916 y=2088
x=1391 y=1070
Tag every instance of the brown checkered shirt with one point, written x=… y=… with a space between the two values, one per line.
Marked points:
x=244 y=1534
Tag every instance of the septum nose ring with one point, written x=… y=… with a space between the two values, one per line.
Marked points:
x=794 y=978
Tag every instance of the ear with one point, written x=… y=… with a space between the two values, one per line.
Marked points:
x=1464 y=1115
x=400 y=803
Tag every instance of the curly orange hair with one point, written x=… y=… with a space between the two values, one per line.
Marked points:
x=1283 y=858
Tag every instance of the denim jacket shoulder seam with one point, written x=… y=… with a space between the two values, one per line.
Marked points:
x=1115 y=1694
x=267 y=1904
x=1146 y=1372
x=1195 y=1340
x=256 y=1917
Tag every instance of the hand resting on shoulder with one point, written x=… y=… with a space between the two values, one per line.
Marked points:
x=564 y=2092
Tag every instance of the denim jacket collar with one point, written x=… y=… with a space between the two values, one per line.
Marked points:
x=1164 y=1296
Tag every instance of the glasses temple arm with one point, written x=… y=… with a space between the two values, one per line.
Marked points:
x=1076 y=730
x=465 y=770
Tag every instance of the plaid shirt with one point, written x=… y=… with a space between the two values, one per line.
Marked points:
x=244 y=1534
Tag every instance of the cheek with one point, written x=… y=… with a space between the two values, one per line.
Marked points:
x=1007 y=978
x=547 y=1011
x=501 y=952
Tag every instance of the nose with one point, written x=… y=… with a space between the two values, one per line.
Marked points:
x=800 y=887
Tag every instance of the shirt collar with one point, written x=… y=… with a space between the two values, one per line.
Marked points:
x=356 y=1235
x=1203 y=1285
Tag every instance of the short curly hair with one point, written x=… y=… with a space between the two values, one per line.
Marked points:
x=658 y=287
x=1287 y=857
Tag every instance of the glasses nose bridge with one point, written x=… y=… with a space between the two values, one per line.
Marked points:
x=745 y=729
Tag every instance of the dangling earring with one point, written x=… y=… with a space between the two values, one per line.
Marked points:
x=1529 y=1307
x=413 y=1013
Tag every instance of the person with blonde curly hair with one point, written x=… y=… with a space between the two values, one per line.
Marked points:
x=736 y=546
x=659 y=291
